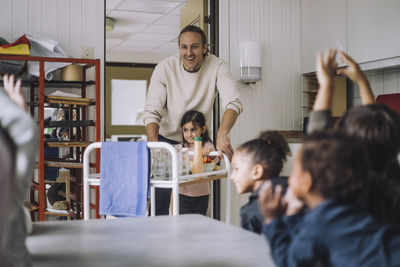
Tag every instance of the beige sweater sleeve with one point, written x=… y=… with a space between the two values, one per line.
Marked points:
x=227 y=89
x=156 y=98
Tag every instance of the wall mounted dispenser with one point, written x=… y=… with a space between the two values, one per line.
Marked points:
x=250 y=61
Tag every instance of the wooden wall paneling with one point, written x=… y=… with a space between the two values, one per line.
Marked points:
x=275 y=101
x=237 y=129
x=224 y=30
x=63 y=29
x=256 y=91
x=49 y=19
x=322 y=24
x=75 y=24
x=297 y=118
x=265 y=104
x=6 y=20
x=89 y=23
x=34 y=17
x=20 y=17
x=233 y=62
x=286 y=65
x=100 y=28
x=244 y=34
x=276 y=57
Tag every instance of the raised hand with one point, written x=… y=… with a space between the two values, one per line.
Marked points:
x=326 y=67
x=14 y=90
x=271 y=203
x=354 y=73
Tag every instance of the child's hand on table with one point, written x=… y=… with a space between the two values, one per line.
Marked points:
x=271 y=203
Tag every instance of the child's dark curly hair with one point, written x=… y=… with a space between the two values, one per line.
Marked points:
x=378 y=126
x=338 y=164
x=270 y=150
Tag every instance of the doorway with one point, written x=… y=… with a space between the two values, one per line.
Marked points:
x=144 y=33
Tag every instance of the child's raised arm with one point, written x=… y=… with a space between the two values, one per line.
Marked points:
x=14 y=91
x=325 y=69
x=354 y=73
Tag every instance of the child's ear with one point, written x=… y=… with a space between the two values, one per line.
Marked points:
x=203 y=129
x=257 y=172
x=306 y=183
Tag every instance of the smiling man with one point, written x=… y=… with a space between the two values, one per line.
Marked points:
x=186 y=81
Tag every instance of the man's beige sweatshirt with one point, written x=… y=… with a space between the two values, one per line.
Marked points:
x=173 y=91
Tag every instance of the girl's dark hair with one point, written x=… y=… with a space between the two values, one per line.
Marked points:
x=192 y=28
x=270 y=150
x=338 y=164
x=378 y=126
x=197 y=118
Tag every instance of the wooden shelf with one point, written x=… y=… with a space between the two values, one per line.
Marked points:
x=67 y=143
x=80 y=123
x=64 y=213
x=56 y=83
x=52 y=99
x=204 y=179
x=64 y=164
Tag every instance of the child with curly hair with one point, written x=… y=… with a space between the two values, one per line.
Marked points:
x=253 y=163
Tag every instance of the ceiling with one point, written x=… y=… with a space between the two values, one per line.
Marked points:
x=145 y=31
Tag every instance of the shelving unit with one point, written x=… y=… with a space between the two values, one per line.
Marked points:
x=339 y=98
x=77 y=143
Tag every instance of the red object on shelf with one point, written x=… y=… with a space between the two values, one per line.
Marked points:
x=21 y=40
x=392 y=100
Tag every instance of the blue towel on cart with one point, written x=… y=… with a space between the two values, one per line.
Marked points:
x=124 y=178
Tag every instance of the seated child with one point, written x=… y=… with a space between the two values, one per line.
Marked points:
x=253 y=163
x=194 y=198
x=23 y=133
x=377 y=126
x=329 y=175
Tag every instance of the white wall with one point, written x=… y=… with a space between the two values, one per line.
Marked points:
x=74 y=23
x=275 y=101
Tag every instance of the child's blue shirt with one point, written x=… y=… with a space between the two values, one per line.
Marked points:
x=333 y=234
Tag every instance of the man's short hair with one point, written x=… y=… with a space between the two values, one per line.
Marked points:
x=192 y=28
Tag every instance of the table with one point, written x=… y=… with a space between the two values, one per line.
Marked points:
x=185 y=240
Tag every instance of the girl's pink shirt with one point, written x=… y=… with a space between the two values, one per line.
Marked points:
x=197 y=190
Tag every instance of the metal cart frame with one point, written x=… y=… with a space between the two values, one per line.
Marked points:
x=173 y=182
